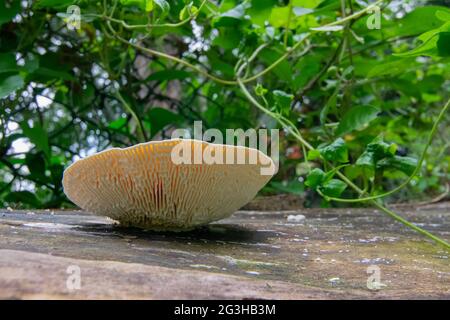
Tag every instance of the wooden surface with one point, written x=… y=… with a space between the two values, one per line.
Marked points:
x=304 y=254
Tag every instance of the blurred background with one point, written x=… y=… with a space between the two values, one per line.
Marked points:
x=68 y=90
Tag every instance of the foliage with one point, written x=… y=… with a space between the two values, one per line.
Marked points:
x=365 y=99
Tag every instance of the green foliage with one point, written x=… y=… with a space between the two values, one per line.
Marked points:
x=315 y=178
x=336 y=151
x=355 y=118
x=363 y=98
x=333 y=188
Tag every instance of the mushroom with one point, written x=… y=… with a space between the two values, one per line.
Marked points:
x=149 y=186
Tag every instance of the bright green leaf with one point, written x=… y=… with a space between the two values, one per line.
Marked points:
x=433 y=43
x=391 y=68
x=443 y=15
x=406 y=165
x=260 y=90
x=313 y=155
x=315 y=178
x=336 y=151
x=118 y=123
x=163 y=5
x=356 y=118
x=260 y=11
x=283 y=101
x=333 y=188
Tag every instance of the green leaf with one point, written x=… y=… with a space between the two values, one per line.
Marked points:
x=56 y=172
x=260 y=11
x=327 y=6
x=331 y=103
x=31 y=64
x=375 y=151
x=308 y=67
x=149 y=5
x=8 y=10
x=313 y=155
x=25 y=197
x=309 y=4
x=232 y=17
x=36 y=165
x=443 y=15
x=260 y=91
x=333 y=188
x=433 y=43
x=8 y=62
x=315 y=178
x=408 y=25
x=118 y=123
x=38 y=136
x=146 y=5
x=163 y=5
x=293 y=187
x=356 y=118
x=228 y=38
x=391 y=68
x=187 y=11
x=427 y=48
x=160 y=118
x=283 y=70
x=10 y=84
x=404 y=164
x=43 y=73
x=336 y=151
x=283 y=101
x=279 y=17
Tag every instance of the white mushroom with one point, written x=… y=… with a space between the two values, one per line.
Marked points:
x=146 y=186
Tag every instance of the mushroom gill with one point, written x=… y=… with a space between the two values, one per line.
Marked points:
x=145 y=186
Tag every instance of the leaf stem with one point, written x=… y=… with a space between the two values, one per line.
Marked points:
x=141 y=132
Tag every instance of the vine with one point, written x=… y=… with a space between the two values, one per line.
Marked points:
x=284 y=122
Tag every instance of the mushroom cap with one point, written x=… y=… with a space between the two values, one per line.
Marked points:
x=142 y=186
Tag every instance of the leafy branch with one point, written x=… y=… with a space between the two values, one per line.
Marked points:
x=286 y=123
